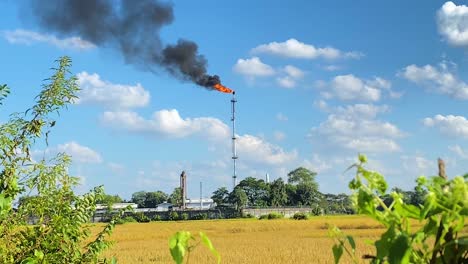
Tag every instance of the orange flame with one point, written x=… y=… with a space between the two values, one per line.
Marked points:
x=222 y=88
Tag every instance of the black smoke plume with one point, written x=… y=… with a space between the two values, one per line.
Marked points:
x=130 y=26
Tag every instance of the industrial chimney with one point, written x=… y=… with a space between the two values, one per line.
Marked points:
x=183 y=188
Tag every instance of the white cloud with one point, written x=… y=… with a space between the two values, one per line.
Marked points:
x=351 y=88
x=94 y=90
x=418 y=164
x=26 y=37
x=452 y=21
x=253 y=67
x=440 y=80
x=292 y=75
x=167 y=124
x=459 y=151
x=293 y=48
x=366 y=111
x=331 y=67
x=281 y=117
x=257 y=150
x=294 y=72
x=79 y=153
x=449 y=125
x=286 y=82
x=355 y=128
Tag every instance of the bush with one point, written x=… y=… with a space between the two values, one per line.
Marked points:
x=184 y=216
x=438 y=237
x=61 y=233
x=300 y=216
x=156 y=218
x=173 y=215
x=127 y=219
x=271 y=216
x=201 y=216
x=141 y=218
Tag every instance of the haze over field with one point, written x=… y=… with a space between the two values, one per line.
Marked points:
x=316 y=82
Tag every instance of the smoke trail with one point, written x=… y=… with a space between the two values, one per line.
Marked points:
x=130 y=26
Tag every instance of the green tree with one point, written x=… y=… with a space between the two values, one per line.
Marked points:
x=139 y=198
x=256 y=190
x=60 y=233
x=152 y=199
x=238 y=198
x=176 y=197
x=220 y=196
x=307 y=194
x=109 y=199
x=302 y=175
x=278 y=194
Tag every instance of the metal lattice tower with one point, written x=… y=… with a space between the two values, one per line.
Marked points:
x=234 y=154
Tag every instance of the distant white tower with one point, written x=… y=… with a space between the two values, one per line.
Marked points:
x=267 y=178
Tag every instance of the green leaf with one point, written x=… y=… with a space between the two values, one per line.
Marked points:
x=178 y=245
x=337 y=253
x=207 y=242
x=400 y=250
x=351 y=242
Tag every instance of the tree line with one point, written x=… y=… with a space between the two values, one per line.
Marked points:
x=299 y=190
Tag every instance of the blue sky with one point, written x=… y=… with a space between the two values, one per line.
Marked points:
x=317 y=83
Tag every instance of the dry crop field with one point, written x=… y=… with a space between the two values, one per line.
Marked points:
x=243 y=240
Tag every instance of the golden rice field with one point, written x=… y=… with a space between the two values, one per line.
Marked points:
x=243 y=240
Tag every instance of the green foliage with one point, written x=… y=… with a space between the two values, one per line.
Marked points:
x=152 y=199
x=238 y=198
x=442 y=216
x=182 y=243
x=126 y=219
x=60 y=216
x=149 y=199
x=141 y=217
x=300 y=216
x=156 y=218
x=200 y=216
x=109 y=199
x=173 y=215
x=184 y=216
x=278 y=194
x=176 y=197
x=271 y=216
x=302 y=175
x=220 y=196
x=139 y=198
x=257 y=191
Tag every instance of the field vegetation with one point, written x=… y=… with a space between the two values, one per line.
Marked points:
x=244 y=240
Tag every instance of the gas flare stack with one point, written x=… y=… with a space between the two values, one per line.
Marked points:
x=234 y=154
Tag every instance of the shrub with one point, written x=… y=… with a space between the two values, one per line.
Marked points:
x=200 y=216
x=271 y=216
x=173 y=215
x=184 y=216
x=61 y=233
x=127 y=219
x=442 y=219
x=141 y=217
x=300 y=216
x=156 y=218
